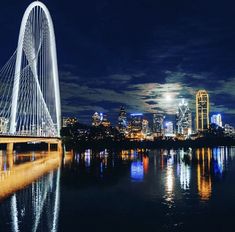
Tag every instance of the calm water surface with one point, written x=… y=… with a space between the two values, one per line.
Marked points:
x=131 y=190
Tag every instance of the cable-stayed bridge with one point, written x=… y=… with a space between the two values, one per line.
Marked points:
x=29 y=85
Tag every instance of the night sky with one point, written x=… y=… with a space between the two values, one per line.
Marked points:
x=143 y=54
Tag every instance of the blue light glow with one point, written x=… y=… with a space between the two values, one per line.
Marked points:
x=218 y=161
x=137 y=114
x=137 y=171
x=101 y=116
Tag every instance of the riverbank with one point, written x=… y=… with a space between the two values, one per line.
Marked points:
x=126 y=144
x=166 y=144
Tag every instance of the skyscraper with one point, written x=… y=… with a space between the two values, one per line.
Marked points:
x=104 y=120
x=145 y=127
x=158 y=124
x=169 y=129
x=136 y=123
x=229 y=130
x=122 y=121
x=3 y=125
x=202 y=110
x=216 y=119
x=96 y=119
x=135 y=127
x=183 y=119
x=69 y=121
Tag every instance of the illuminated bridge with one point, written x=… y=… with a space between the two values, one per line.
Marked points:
x=29 y=86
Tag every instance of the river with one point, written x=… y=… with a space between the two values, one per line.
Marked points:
x=129 y=190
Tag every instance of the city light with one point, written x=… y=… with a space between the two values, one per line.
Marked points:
x=140 y=145
x=137 y=114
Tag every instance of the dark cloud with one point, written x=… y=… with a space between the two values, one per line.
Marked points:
x=144 y=54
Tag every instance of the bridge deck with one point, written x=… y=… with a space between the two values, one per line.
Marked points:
x=24 y=139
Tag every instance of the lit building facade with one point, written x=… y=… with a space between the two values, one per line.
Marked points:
x=4 y=122
x=229 y=130
x=169 y=129
x=69 y=121
x=217 y=119
x=122 y=121
x=104 y=120
x=100 y=119
x=202 y=110
x=135 y=127
x=145 y=127
x=96 y=119
x=183 y=119
x=158 y=127
x=136 y=123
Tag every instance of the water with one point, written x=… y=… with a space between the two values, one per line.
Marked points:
x=134 y=190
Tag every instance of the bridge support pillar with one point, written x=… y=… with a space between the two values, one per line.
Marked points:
x=49 y=147
x=59 y=147
x=10 y=147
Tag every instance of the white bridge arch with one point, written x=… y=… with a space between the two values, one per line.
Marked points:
x=30 y=100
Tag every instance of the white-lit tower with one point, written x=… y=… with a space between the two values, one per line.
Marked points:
x=183 y=119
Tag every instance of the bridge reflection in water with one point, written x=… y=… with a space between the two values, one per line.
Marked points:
x=164 y=177
x=26 y=209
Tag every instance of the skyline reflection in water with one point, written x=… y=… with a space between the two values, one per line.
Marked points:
x=38 y=194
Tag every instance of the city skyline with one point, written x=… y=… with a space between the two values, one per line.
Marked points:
x=131 y=123
x=146 y=60
x=184 y=117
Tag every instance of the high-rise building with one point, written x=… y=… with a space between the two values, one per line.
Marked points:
x=169 y=129
x=135 y=127
x=122 y=121
x=183 y=119
x=104 y=120
x=69 y=121
x=4 y=122
x=96 y=119
x=145 y=127
x=229 y=130
x=136 y=123
x=216 y=119
x=158 y=124
x=202 y=110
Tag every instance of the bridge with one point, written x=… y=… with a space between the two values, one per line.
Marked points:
x=11 y=140
x=30 y=108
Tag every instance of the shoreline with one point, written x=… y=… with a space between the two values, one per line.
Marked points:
x=71 y=144
x=165 y=144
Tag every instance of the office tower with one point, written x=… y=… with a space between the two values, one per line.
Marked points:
x=69 y=121
x=122 y=121
x=229 y=130
x=216 y=119
x=202 y=110
x=136 y=123
x=96 y=119
x=105 y=122
x=158 y=124
x=183 y=119
x=4 y=122
x=145 y=127
x=169 y=129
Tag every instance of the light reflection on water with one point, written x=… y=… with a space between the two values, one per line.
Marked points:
x=30 y=183
x=19 y=170
x=137 y=170
x=39 y=195
x=169 y=180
